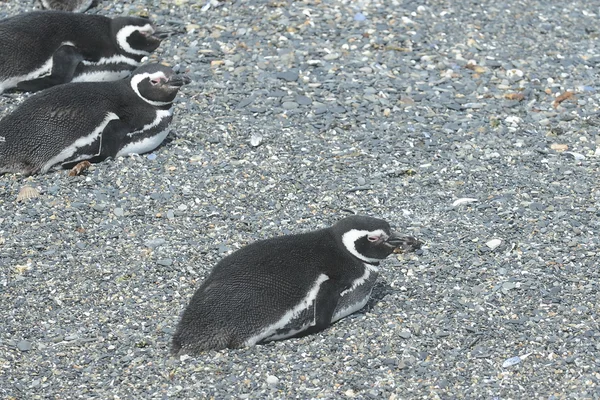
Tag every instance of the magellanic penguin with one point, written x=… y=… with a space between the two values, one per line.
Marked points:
x=287 y=286
x=89 y=121
x=41 y=49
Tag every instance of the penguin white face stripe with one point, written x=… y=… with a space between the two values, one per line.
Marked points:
x=116 y=59
x=101 y=76
x=290 y=314
x=81 y=142
x=349 y=238
x=135 y=81
x=126 y=31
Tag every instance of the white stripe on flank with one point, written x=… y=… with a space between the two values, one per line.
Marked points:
x=289 y=315
x=349 y=238
x=116 y=59
x=101 y=76
x=135 y=81
x=126 y=31
x=83 y=141
x=45 y=69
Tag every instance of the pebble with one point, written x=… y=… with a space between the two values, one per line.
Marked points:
x=165 y=262
x=24 y=345
x=289 y=105
x=405 y=334
x=288 y=76
x=154 y=243
x=272 y=380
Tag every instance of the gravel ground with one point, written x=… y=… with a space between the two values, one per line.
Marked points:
x=300 y=113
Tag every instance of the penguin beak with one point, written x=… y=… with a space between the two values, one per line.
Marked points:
x=403 y=244
x=162 y=34
x=179 y=80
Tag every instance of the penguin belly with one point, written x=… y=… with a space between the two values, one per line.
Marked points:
x=149 y=137
x=357 y=295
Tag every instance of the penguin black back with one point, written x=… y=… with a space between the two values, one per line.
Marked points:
x=45 y=48
x=286 y=286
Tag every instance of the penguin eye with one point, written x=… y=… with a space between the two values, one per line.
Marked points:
x=154 y=82
x=371 y=238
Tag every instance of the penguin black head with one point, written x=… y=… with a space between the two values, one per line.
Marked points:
x=370 y=239
x=135 y=36
x=157 y=84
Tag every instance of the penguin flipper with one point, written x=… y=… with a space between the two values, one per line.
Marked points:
x=64 y=62
x=110 y=143
x=325 y=305
x=112 y=140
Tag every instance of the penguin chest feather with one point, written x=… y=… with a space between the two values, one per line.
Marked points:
x=149 y=137
x=357 y=295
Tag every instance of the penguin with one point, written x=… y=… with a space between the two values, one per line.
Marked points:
x=91 y=121
x=41 y=49
x=288 y=286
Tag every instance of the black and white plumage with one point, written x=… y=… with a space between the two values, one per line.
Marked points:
x=89 y=121
x=41 y=49
x=287 y=286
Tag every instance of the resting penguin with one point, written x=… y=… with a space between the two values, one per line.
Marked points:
x=89 y=121
x=287 y=286
x=46 y=48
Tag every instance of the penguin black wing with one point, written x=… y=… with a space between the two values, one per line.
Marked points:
x=64 y=63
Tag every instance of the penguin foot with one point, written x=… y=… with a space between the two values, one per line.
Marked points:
x=79 y=168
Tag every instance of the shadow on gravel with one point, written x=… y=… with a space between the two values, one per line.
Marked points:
x=380 y=290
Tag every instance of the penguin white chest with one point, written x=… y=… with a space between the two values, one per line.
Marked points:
x=357 y=295
x=149 y=137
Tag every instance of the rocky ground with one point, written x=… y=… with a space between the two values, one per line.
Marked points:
x=470 y=125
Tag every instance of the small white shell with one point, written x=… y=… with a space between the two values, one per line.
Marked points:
x=494 y=243
x=256 y=140
x=509 y=362
x=464 y=200
x=27 y=192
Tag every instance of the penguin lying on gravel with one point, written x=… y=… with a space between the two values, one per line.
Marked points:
x=45 y=48
x=89 y=121
x=287 y=286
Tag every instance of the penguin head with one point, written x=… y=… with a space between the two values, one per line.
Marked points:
x=371 y=239
x=135 y=36
x=157 y=84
